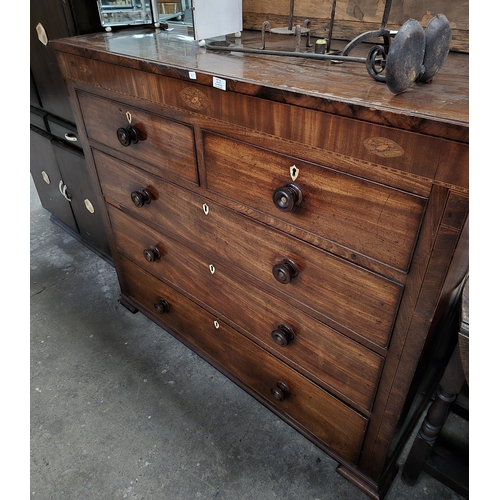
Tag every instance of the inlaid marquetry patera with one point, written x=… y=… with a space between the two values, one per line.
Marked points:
x=383 y=147
x=194 y=98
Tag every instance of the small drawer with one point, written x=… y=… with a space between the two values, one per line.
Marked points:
x=335 y=361
x=355 y=299
x=64 y=130
x=281 y=388
x=163 y=147
x=372 y=219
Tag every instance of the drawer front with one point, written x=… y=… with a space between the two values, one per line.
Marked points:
x=367 y=217
x=355 y=299
x=337 y=362
x=340 y=428
x=165 y=147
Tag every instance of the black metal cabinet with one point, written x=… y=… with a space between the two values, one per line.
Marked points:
x=58 y=165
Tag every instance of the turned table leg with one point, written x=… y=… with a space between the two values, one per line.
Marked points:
x=449 y=387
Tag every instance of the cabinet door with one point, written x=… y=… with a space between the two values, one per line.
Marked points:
x=34 y=99
x=84 y=200
x=85 y=16
x=47 y=177
x=51 y=19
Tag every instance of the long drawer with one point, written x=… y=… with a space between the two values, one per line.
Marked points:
x=375 y=220
x=352 y=297
x=319 y=352
x=283 y=389
x=163 y=146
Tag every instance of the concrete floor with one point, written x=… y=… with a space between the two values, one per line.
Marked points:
x=120 y=409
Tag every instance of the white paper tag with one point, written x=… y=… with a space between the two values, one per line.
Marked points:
x=192 y=75
x=219 y=83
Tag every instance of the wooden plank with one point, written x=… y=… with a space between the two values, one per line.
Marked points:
x=353 y=17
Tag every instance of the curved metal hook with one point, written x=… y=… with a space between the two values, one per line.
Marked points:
x=265 y=24
x=307 y=25
x=375 y=63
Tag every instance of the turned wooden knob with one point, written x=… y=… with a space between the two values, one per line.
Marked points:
x=162 y=306
x=287 y=197
x=152 y=254
x=280 y=391
x=283 y=335
x=141 y=197
x=128 y=135
x=285 y=270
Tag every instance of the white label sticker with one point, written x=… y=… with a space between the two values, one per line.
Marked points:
x=192 y=75
x=219 y=83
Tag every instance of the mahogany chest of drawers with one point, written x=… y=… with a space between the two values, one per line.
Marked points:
x=295 y=224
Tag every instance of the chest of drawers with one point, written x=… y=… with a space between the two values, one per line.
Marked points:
x=306 y=237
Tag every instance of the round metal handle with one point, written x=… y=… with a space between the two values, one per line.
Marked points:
x=128 y=135
x=285 y=270
x=152 y=254
x=162 y=306
x=283 y=335
x=281 y=391
x=287 y=197
x=141 y=197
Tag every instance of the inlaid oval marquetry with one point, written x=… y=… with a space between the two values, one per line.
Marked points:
x=194 y=98
x=382 y=146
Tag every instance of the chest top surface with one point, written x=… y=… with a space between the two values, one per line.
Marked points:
x=438 y=108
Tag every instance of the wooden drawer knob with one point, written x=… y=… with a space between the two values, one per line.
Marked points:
x=283 y=335
x=287 y=197
x=281 y=391
x=141 y=197
x=285 y=270
x=152 y=254
x=128 y=135
x=162 y=306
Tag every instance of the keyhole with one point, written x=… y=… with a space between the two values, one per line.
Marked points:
x=294 y=172
x=129 y=117
x=205 y=208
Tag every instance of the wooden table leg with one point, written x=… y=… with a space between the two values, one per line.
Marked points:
x=449 y=387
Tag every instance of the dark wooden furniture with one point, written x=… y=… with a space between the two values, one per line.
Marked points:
x=291 y=221
x=440 y=450
x=57 y=162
